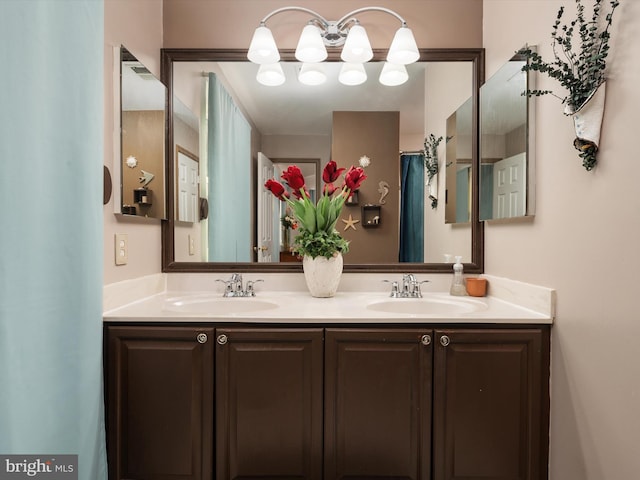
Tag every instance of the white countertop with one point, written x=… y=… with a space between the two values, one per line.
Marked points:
x=296 y=307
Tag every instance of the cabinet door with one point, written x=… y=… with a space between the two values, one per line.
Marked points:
x=160 y=402
x=491 y=404
x=377 y=404
x=269 y=403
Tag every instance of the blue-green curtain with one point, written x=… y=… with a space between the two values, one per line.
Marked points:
x=51 y=241
x=411 y=208
x=229 y=162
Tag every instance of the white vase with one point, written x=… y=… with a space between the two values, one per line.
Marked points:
x=322 y=274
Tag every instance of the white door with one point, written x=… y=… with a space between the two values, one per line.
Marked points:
x=187 y=189
x=265 y=248
x=510 y=187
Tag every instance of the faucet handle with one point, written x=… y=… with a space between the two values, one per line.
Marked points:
x=416 y=287
x=395 y=292
x=250 y=292
x=228 y=288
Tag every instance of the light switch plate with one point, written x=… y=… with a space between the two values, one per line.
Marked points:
x=121 y=248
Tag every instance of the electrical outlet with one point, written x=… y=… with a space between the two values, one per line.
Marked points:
x=192 y=246
x=121 y=249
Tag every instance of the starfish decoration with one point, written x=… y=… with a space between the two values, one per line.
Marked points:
x=350 y=222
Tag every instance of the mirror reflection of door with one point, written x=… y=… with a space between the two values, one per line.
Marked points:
x=509 y=187
x=282 y=217
x=266 y=248
x=187 y=188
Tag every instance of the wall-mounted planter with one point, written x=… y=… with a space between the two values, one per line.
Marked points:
x=587 y=121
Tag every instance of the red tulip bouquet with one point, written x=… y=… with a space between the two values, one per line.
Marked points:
x=318 y=235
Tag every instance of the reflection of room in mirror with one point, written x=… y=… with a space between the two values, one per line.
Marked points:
x=188 y=171
x=142 y=99
x=505 y=178
x=296 y=122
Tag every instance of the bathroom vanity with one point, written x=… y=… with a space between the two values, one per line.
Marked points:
x=326 y=388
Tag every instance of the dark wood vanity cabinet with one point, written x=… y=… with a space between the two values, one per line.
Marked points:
x=377 y=404
x=328 y=403
x=160 y=402
x=269 y=403
x=491 y=404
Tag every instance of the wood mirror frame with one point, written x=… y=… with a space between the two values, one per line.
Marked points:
x=168 y=56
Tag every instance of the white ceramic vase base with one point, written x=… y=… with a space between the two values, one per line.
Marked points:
x=322 y=275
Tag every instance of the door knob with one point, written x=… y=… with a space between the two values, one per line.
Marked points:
x=425 y=340
x=222 y=339
x=445 y=340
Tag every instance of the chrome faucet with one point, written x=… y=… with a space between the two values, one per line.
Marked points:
x=410 y=287
x=236 y=283
x=234 y=287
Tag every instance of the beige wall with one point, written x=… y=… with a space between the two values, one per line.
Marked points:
x=584 y=241
x=137 y=25
x=230 y=24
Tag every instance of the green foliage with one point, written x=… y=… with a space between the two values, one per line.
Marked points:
x=587 y=153
x=581 y=72
x=320 y=244
x=431 y=154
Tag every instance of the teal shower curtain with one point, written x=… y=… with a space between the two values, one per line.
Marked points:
x=51 y=230
x=411 y=208
x=229 y=163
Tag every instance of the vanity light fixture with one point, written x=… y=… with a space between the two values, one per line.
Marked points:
x=320 y=33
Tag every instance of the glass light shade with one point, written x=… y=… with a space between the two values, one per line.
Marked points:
x=312 y=74
x=403 y=49
x=271 y=75
x=357 y=48
x=352 y=74
x=311 y=47
x=263 y=47
x=393 y=75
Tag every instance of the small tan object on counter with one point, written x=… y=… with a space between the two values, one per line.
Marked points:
x=477 y=287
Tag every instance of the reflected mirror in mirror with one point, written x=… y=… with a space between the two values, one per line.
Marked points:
x=459 y=162
x=142 y=104
x=506 y=170
x=294 y=124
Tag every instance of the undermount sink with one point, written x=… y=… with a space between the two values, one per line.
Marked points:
x=428 y=306
x=217 y=305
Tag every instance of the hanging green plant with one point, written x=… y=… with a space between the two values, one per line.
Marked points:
x=431 y=162
x=580 y=70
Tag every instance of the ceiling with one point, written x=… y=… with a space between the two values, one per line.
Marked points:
x=297 y=109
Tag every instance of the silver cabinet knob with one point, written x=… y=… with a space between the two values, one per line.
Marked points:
x=202 y=338
x=222 y=339
x=445 y=340
x=425 y=340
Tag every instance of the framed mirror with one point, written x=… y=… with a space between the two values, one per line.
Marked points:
x=142 y=140
x=436 y=86
x=507 y=159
